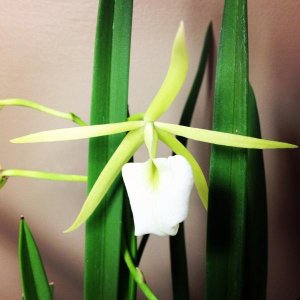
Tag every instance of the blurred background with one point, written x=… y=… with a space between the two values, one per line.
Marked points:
x=46 y=55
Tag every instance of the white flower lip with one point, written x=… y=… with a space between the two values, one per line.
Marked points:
x=159 y=206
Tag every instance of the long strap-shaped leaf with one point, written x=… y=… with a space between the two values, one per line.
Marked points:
x=109 y=105
x=256 y=261
x=35 y=284
x=228 y=172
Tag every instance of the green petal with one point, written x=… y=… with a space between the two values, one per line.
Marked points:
x=174 y=79
x=222 y=138
x=151 y=139
x=178 y=148
x=77 y=133
x=42 y=108
x=123 y=153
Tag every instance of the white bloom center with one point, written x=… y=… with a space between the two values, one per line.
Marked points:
x=159 y=203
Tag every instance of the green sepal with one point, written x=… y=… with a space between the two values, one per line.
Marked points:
x=77 y=133
x=222 y=138
x=174 y=79
x=112 y=169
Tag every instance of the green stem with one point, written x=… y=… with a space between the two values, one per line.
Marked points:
x=137 y=275
x=42 y=108
x=42 y=175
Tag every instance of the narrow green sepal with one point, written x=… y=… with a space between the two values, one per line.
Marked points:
x=123 y=153
x=222 y=138
x=174 y=79
x=77 y=133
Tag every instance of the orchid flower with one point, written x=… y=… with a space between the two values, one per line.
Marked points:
x=158 y=189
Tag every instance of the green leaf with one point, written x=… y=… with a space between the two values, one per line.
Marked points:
x=35 y=284
x=227 y=208
x=256 y=255
x=109 y=105
x=174 y=79
x=77 y=133
x=222 y=138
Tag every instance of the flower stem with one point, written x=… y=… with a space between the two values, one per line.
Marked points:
x=4 y=174
x=137 y=274
x=42 y=108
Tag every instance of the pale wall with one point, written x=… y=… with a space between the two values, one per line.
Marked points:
x=46 y=55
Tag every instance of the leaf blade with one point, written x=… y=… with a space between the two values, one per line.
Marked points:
x=228 y=169
x=256 y=255
x=109 y=105
x=35 y=284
